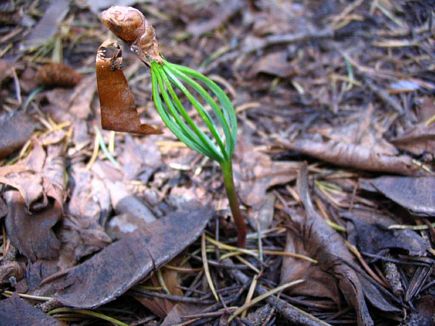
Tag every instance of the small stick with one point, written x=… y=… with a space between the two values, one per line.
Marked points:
x=294 y=315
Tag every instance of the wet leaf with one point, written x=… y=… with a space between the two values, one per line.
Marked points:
x=15 y=131
x=126 y=262
x=355 y=156
x=14 y=311
x=369 y=231
x=414 y=193
x=118 y=111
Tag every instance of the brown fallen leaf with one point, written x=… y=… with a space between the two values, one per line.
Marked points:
x=32 y=233
x=159 y=306
x=73 y=106
x=15 y=131
x=14 y=311
x=335 y=263
x=175 y=316
x=118 y=110
x=127 y=261
x=37 y=272
x=140 y=158
x=226 y=11
x=276 y=64
x=57 y=74
x=81 y=98
x=354 y=156
x=418 y=140
x=35 y=201
x=414 y=193
x=90 y=198
x=123 y=202
x=360 y=128
x=80 y=237
x=322 y=285
x=369 y=231
x=256 y=172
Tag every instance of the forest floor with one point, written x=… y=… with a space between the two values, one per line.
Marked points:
x=333 y=167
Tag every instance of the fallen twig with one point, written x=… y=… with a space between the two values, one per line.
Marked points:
x=293 y=314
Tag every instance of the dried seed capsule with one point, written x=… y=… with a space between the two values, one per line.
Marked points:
x=130 y=25
x=118 y=110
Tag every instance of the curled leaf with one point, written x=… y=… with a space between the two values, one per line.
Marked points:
x=355 y=156
x=118 y=110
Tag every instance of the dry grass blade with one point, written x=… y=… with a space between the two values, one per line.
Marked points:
x=262 y=297
x=206 y=267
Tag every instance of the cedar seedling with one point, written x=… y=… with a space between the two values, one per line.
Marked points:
x=175 y=89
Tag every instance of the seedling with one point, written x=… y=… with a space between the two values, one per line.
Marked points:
x=175 y=89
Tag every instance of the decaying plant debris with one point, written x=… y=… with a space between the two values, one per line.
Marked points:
x=333 y=166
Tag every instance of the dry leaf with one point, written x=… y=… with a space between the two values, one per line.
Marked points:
x=175 y=316
x=256 y=173
x=129 y=260
x=325 y=245
x=369 y=231
x=414 y=193
x=15 y=311
x=355 y=156
x=36 y=207
x=276 y=64
x=140 y=158
x=15 y=131
x=32 y=234
x=226 y=10
x=418 y=140
x=118 y=111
